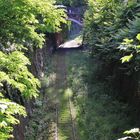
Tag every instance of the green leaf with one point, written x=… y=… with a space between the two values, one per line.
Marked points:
x=138 y=46
x=132 y=131
x=127 y=41
x=138 y=37
x=126 y=58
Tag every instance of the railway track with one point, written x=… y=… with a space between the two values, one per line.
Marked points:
x=65 y=128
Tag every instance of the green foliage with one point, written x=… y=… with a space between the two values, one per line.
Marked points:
x=99 y=115
x=13 y=70
x=109 y=24
x=8 y=110
x=23 y=24
x=132 y=134
x=131 y=52
x=126 y=58
x=25 y=21
x=107 y=117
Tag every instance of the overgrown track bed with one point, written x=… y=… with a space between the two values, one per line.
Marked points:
x=76 y=105
x=64 y=124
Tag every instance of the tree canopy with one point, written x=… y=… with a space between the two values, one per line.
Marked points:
x=23 y=24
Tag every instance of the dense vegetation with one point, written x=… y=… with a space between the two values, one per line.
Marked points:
x=23 y=24
x=100 y=116
x=111 y=29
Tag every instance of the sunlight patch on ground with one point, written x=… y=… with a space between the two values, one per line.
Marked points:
x=74 y=42
x=68 y=93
